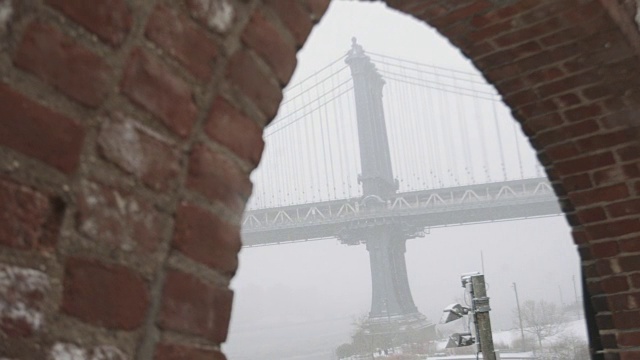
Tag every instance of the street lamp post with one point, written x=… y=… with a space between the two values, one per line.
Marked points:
x=481 y=308
x=475 y=284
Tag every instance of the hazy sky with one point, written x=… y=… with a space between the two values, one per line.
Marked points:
x=299 y=299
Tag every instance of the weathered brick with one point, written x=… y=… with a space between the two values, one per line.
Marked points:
x=231 y=128
x=503 y=13
x=630 y=245
x=523 y=97
x=604 y=140
x=489 y=33
x=538 y=108
x=139 y=151
x=264 y=39
x=295 y=18
x=591 y=215
x=218 y=15
x=611 y=175
x=244 y=73
x=629 y=152
x=604 y=321
x=567 y=100
x=64 y=351
x=577 y=182
x=605 y=249
x=624 y=208
x=612 y=356
x=585 y=253
x=480 y=49
x=22 y=295
x=623 y=302
x=629 y=263
x=107 y=295
x=582 y=112
x=39 y=132
x=193 y=307
x=185 y=41
x=110 y=20
x=617 y=119
x=614 y=284
x=218 y=178
x=567 y=84
x=629 y=355
x=151 y=85
x=523 y=34
x=542 y=123
x=603 y=267
x=562 y=151
x=580 y=237
x=117 y=218
x=560 y=134
x=598 y=195
x=584 y=163
x=29 y=220
x=61 y=62
x=317 y=8
x=205 y=238
x=626 y=320
x=167 y=351
x=613 y=229
x=463 y=12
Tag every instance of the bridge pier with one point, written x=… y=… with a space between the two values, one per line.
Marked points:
x=393 y=311
x=390 y=286
x=392 y=306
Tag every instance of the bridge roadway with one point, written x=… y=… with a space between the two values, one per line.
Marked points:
x=416 y=210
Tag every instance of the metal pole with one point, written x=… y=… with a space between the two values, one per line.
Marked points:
x=515 y=289
x=575 y=292
x=561 y=297
x=481 y=313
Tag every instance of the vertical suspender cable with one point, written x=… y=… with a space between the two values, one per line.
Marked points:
x=500 y=149
x=517 y=137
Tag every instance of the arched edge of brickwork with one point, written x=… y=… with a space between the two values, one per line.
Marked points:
x=109 y=258
x=568 y=71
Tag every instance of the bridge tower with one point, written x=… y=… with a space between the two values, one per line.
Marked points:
x=392 y=306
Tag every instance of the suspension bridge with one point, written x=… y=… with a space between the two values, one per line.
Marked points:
x=376 y=150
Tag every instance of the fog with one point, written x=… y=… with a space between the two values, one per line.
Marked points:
x=298 y=301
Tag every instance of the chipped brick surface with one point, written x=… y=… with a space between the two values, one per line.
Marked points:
x=151 y=85
x=29 y=220
x=139 y=151
x=119 y=219
x=22 y=294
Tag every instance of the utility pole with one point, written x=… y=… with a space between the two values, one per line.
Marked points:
x=515 y=289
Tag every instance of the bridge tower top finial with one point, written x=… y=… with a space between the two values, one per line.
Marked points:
x=356 y=49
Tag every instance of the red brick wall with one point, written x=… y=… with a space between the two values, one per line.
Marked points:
x=128 y=129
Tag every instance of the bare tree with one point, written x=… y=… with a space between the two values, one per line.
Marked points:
x=542 y=319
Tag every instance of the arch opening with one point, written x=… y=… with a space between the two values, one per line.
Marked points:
x=316 y=195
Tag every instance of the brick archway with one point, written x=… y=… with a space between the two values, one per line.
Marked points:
x=129 y=127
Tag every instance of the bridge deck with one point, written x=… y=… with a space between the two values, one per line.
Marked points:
x=420 y=209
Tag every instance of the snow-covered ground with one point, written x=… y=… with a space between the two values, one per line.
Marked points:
x=576 y=328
